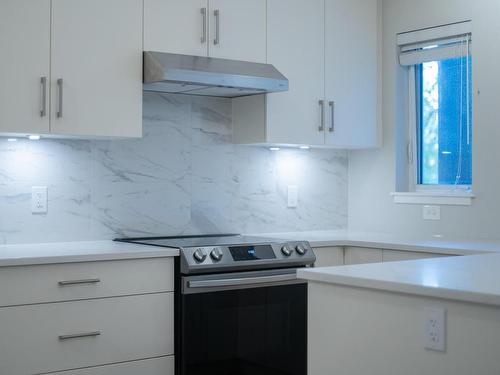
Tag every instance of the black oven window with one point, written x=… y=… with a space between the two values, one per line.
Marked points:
x=261 y=331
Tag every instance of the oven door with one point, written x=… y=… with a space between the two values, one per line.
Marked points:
x=251 y=323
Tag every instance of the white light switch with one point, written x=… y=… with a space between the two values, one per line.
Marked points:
x=293 y=196
x=39 y=199
x=435 y=329
x=431 y=213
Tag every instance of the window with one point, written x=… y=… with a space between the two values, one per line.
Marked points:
x=440 y=76
x=444 y=122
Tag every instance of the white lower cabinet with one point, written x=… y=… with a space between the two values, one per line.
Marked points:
x=58 y=336
x=395 y=255
x=329 y=256
x=155 y=366
x=90 y=318
x=362 y=255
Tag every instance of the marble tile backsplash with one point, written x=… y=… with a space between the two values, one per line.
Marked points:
x=184 y=176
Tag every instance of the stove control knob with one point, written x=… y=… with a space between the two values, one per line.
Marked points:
x=286 y=251
x=216 y=254
x=200 y=255
x=301 y=249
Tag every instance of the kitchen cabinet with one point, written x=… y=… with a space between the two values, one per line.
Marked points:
x=395 y=256
x=296 y=36
x=56 y=318
x=90 y=56
x=24 y=66
x=96 y=67
x=351 y=74
x=176 y=26
x=238 y=30
x=329 y=256
x=362 y=255
x=230 y=29
x=328 y=49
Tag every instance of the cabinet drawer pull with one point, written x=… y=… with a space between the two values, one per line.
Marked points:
x=217 y=27
x=59 y=113
x=322 y=121
x=43 y=104
x=79 y=335
x=332 y=109
x=77 y=282
x=204 y=25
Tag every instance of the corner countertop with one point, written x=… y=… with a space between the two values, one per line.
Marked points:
x=82 y=251
x=444 y=245
x=472 y=278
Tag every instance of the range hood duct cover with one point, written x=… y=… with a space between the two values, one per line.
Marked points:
x=207 y=76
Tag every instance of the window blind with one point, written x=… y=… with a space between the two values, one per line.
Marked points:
x=435 y=44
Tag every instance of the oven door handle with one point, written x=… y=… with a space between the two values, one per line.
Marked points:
x=244 y=281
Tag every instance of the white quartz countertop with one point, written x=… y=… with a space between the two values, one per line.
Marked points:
x=473 y=278
x=452 y=246
x=84 y=251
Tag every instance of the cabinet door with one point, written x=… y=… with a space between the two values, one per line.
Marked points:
x=25 y=46
x=97 y=53
x=176 y=26
x=295 y=46
x=329 y=256
x=396 y=256
x=351 y=73
x=238 y=30
x=362 y=255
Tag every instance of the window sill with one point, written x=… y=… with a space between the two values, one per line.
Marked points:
x=451 y=198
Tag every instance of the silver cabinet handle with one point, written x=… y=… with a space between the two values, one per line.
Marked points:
x=204 y=25
x=332 y=110
x=322 y=109
x=59 y=113
x=242 y=281
x=78 y=282
x=43 y=103
x=217 y=26
x=79 y=335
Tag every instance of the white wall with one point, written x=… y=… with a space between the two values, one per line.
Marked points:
x=372 y=174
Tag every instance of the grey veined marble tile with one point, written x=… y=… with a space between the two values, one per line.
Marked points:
x=183 y=176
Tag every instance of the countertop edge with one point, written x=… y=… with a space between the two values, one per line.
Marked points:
x=401 y=288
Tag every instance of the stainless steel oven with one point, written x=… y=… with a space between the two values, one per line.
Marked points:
x=240 y=309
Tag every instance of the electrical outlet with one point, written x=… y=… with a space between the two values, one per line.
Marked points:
x=435 y=329
x=293 y=196
x=431 y=213
x=39 y=199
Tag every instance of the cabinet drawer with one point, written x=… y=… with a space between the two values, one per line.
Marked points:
x=396 y=256
x=155 y=366
x=38 y=338
x=329 y=256
x=73 y=281
x=362 y=255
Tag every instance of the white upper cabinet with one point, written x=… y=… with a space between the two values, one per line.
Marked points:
x=176 y=26
x=351 y=73
x=230 y=29
x=71 y=67
x=238 y=29
x=96 y=67
x=24 y=66
x=295 y=46
x=328 y=49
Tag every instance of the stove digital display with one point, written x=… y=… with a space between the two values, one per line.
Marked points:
x=242 y=253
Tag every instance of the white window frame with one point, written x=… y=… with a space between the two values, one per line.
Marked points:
x=419 y=193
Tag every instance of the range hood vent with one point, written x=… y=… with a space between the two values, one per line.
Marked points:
x=207 y=76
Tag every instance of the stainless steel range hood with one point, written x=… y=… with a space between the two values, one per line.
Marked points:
x=197 y=75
